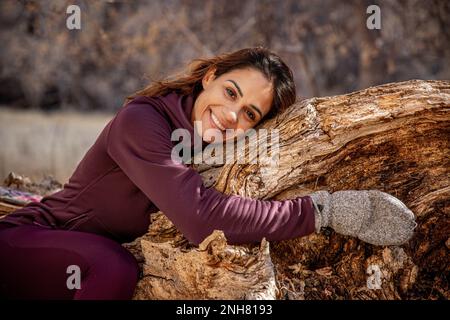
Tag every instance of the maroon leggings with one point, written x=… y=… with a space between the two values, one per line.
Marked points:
x=34 y=264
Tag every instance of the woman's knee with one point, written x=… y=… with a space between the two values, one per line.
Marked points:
x=114 y=258
x=113 y=274
x=123 y=264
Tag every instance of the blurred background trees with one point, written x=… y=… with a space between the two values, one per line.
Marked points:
x=123 y=45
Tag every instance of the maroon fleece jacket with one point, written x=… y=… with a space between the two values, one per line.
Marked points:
x=128 y=174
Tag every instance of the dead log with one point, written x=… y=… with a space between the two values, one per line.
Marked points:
x=394 y=138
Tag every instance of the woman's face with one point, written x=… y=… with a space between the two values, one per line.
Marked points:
x=236 y=100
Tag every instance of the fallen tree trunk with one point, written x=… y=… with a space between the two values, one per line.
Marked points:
x=394 y=138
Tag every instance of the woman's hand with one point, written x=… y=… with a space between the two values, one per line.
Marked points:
x=370 y=215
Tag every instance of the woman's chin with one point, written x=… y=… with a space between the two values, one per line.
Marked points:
x=213 y=135
x=213 y=139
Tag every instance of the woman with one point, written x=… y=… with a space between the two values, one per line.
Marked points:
x=128 y=173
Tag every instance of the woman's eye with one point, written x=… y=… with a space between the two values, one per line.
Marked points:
x=251 y=115
x=230 y=92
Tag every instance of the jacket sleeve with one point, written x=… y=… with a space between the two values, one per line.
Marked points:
x=139 y=142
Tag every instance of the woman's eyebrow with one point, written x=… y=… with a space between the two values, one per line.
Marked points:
x=240 y=93
x=237 y=87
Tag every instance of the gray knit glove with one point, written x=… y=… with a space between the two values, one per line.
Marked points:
x=370 y=215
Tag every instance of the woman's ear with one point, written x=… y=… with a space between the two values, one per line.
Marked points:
x=208 y=77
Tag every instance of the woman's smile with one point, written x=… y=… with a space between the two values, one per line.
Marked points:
x=216 y=122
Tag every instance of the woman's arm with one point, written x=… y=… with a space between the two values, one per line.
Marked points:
x=139 y=142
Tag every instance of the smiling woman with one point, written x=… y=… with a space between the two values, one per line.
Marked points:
x=128 y=174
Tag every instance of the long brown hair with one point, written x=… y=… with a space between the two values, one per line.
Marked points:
x=259 y=58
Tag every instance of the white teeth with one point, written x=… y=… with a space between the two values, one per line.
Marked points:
x=216 y=122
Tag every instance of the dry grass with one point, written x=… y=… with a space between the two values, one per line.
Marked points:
x=34 y=143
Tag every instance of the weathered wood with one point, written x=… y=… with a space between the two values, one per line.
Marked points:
x=394 y=138
x=214 y=270
x=7 y=208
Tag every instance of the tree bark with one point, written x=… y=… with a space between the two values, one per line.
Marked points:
x=393 y=137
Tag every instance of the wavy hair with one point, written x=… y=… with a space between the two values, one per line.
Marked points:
x=258 y=58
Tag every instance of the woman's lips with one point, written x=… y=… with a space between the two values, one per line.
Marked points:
x=215 y=122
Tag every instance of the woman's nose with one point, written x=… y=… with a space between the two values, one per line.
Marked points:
x=230 y=117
